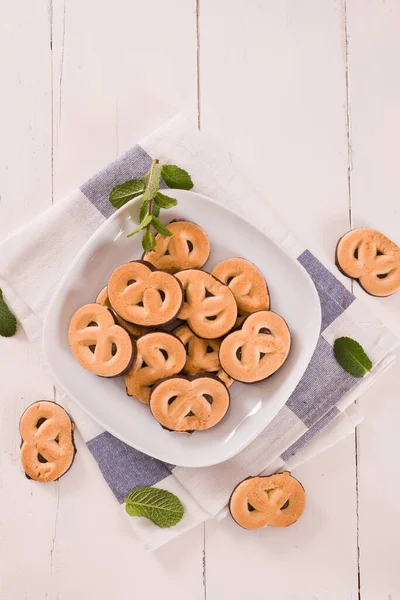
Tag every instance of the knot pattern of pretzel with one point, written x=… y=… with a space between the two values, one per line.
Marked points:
x=278 y=500
x=189 y=404
x=258 y=349
x=246 y=282
x=209 y=306
x=134 y=330
x=373 y=259
x=187 y=248
x=47 y=449
x=142 y=295
x=98 y=344
x=202 y=355
x=159 y=355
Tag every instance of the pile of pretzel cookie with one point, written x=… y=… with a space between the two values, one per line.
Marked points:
x=180 y=335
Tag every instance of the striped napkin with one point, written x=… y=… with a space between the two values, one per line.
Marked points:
x=319 y=412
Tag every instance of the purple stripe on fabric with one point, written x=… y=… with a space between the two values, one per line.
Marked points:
x=334 y=297
x=305 y=439
x=321 y=387
x=124 y=467
x=132 y=165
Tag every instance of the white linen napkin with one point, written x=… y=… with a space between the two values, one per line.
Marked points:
x=319 y=412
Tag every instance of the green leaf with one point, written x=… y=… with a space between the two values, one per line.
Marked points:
x=152 y=181
x=143 y=224
x=160 y=506
x=176 y=178
x=160 y=227
x=155 y=209
x=121 y=194
x=149 y=241
x=8 y=322
x=351 y=356
x=144 y=207
x=164 y=201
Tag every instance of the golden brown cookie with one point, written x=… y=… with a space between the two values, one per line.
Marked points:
x=277 y=500
x=98 y=343
x=202 y=355
x=142 y=295
x=135 y=330
x=373 y=259
x=47 y=447
x=187 y=248
x=159 y=355
x=258 y=349
x=189 y=404
x=209 y=306
x=246 y=282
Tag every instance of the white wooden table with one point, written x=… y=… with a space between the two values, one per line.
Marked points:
x=305 y=96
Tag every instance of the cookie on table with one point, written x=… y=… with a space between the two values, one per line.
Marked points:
x=209 y=306
x=144 y=296
x=202 y=356
x=278 y=500
x=258 y=349
x=189 y=403
x=371 y=258
x=187 y=248
x=159 y=355
x=98 y=343
x=246 y=282
x=47 y=447
x=134 y=330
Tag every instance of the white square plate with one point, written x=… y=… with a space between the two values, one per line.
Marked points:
x=293 y=296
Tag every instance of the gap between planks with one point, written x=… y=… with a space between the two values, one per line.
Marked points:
x=349 y=188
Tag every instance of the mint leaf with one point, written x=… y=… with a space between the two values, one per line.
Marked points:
x=148 y=241
x=8 y=322
x=155 y=209
x=164 y=201
x=160 y=506
x=152 y=181
x=351 y=356
x=176 y=178
x=143 y=224
x=121 y=194
x=144 y=207
x=160 y=227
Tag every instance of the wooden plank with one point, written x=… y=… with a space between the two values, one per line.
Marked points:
x=374 y=46
x=273 y=92
x=27 y=516
x=116 y=73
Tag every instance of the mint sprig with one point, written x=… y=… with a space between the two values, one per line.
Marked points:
x=152 y=199
x=351 y=356
x=160 y=506
x=8 y=322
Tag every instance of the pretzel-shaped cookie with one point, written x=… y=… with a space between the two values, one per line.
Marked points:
x=159 y=355
x=189 y=404
x=202 y=355
x=278 y=500
x=134 y=330
x=47 y=448
x=258 y=349
x=209 y=307
x=246 y=282
x=373 y=259
x=98 y=344
x=187 y=248
x=142 y=295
